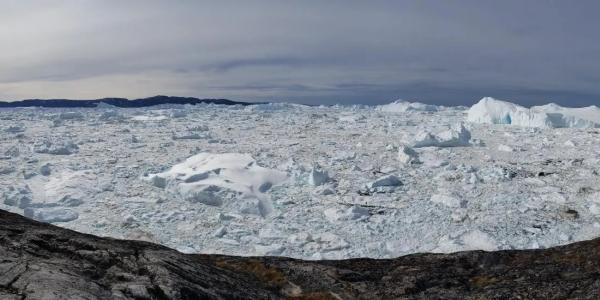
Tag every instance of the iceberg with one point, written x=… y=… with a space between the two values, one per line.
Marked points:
x=493 y=111
x=213 y=179
x=405 y=106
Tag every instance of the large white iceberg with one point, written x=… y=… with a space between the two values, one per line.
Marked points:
x=580 y=117
x=493 y=111
x=228 y=179
x=404 y=106
x=456 y=136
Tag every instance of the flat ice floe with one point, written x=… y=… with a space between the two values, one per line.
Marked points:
x=307 y=182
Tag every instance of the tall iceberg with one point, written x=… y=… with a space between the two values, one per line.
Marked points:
x=493 y=111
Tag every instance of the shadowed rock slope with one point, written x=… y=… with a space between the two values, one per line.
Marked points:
x=41 y=261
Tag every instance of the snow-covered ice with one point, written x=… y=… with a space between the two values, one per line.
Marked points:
x=309 y=182
x=400 y=106
x=407 y=155
x=228 y=179
x=492 y=111
x=456 y=136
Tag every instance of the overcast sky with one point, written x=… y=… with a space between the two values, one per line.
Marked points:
x=445 y=52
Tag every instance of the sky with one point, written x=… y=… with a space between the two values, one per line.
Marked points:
x=312 y=52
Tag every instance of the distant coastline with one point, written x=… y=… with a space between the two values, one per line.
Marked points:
x=119 y=102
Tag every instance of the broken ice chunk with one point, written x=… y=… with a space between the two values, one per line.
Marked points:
x=17 y=196
x=385 y=184
x=268 y=250
x=407 y=155
x=45 y=169
x=505 y=148
x=51 y=215
x=454 y=137
x=388 y=180
x=478 y=240
x=447 y=200
x=55 y=147
x=15 y=129
x=325 y=190
x=317 y=176
x=352 y=213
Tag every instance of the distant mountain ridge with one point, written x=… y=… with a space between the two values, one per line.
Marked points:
x=119 y=102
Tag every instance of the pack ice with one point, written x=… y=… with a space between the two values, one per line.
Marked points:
x=492 y=111
x=326 y=182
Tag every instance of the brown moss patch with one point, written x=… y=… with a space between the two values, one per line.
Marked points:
x=318 y=296
x=483 y=281
x=272 y=277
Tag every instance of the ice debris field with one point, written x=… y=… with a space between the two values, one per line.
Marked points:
x=309 y=182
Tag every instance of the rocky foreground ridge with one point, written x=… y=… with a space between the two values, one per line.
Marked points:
x=42 y=261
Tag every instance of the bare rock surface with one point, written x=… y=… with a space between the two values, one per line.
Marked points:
x=42 y=261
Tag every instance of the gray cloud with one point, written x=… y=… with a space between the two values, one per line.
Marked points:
x=305 y=51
